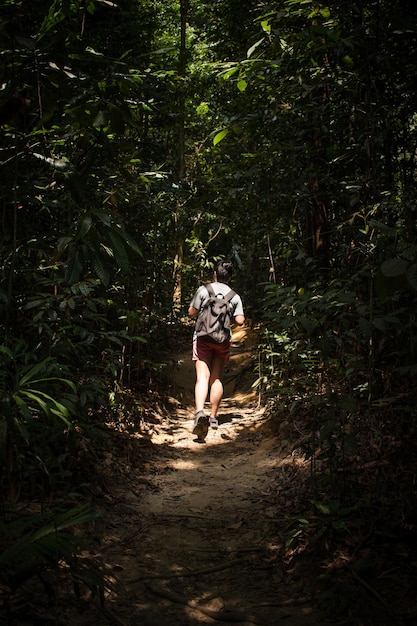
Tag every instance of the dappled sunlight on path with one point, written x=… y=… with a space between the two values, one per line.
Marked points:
x=212 y=538
x=213 y=534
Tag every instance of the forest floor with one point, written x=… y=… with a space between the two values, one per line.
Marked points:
x=196 y=532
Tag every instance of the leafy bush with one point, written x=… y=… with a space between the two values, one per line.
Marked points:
x=31 y=416
x=31 y=545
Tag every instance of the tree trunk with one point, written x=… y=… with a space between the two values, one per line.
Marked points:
x=182 y=71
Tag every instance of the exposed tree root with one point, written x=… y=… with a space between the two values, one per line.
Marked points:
x=221 y=616
x=208 y=570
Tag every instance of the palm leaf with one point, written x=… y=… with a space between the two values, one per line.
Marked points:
x=44 y=538
x=48 y=404
x=33 y=370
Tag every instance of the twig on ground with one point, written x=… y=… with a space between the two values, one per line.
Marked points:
x=191 y=516
x=201 y=572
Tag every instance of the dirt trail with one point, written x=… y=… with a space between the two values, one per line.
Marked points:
x=198 y=538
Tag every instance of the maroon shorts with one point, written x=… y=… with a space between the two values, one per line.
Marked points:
x=205 y=350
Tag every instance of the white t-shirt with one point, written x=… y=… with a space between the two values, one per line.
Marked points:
x=202 y=295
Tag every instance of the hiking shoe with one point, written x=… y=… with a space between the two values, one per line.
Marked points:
x=201 y=425
x=213 y=422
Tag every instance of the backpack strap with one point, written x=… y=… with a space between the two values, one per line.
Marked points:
x=210 y=290
x=228 y=297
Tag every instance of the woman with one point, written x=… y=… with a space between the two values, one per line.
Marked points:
x=209 y=356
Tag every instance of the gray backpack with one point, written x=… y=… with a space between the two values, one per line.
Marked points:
x=214 y=318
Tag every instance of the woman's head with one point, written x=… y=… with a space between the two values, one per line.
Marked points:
x=223 y=271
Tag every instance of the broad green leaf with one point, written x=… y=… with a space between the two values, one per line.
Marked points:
x=119 y=250
x=84 y=225
x=266 y=26
x=105 y=218
x=129 y=240
x=321 y=507
x=7 y=351
x=85 y=288
x=347 y=59
x=102 y=269
x=220 y=136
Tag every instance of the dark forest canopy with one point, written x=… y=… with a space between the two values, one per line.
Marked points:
x=140 y=141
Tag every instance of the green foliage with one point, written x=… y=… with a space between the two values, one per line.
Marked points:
x=135 y=153
x=33 y=544
x=331 y=349
x=98 y=245
x=30 y=414
x=329 y=521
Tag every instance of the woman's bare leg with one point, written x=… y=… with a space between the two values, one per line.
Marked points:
x=201 y=384
x=216 y=385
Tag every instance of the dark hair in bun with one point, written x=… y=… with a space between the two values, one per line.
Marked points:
x=224 y=271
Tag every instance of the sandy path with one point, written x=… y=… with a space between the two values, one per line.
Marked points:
x=207 y=524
